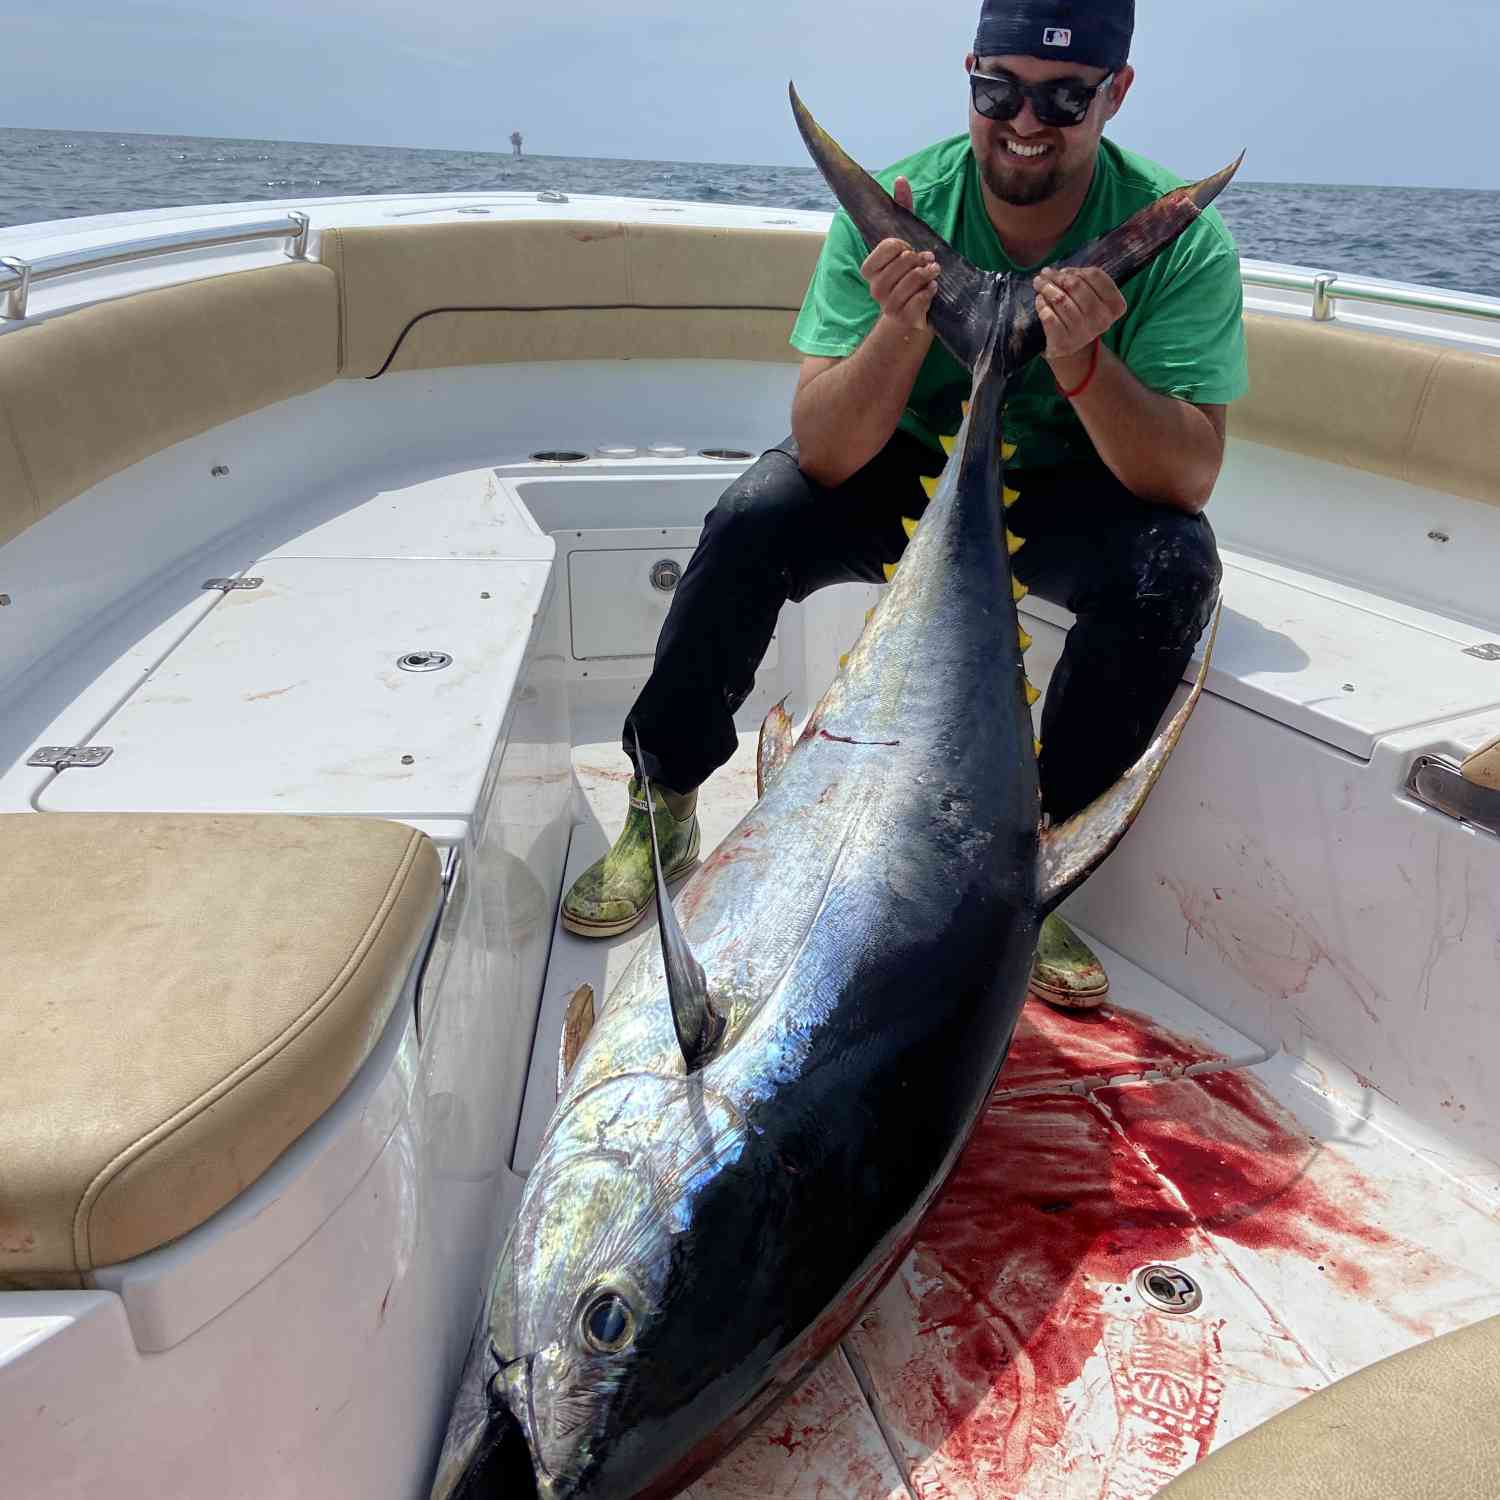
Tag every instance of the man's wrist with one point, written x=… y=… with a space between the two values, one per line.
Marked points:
x=893 y=332
x=1071 y=370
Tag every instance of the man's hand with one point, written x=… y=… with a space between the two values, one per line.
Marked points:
x=902 y=281
x=1076 y=306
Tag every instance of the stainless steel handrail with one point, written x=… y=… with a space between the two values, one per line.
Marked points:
x=1327 y=289
x=18 y=277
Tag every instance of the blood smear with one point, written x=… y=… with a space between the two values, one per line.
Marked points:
x=1012 y=1357
x=1061 y=1047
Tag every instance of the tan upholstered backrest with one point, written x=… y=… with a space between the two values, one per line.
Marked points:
x=416 y=297
x=1419 y=412
x=88 y=393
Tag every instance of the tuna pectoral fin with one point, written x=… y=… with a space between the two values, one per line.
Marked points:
x=699 y=1027
x=966 y=304
x=577 y=1025
x=1071 y=851
x=776 y=740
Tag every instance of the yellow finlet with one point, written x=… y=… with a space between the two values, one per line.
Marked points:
x=1032 y=696
x=890 y=571
x=1026 y=642
x=843 y=662
x=1018 y=590
x=966 y=408
x=909 y=526
x=869 y=615
x=1009 y=496
x=1013 y=543
x=1038 y=745
x=1007 y=451
x=930 y=484
x=947 y=443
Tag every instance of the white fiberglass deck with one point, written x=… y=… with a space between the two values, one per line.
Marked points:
x=1013 y=1355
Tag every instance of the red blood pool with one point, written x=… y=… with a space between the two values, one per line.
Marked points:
x=1251 y=1174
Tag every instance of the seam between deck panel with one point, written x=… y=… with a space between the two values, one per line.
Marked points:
x=861 y=1374
x=1200 y=1232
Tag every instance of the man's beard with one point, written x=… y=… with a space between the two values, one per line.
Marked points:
x=1021 y=188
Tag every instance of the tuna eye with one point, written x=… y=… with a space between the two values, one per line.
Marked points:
x=608 y=1323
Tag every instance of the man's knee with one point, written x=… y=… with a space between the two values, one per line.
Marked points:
x=1174 y=578
x=753 y=513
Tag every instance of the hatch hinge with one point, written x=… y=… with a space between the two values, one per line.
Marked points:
x=1442 y=786
x=228 y=585
x=63 y=757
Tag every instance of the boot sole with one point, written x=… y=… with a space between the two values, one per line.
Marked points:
x=582 y=927
x=1070 y=999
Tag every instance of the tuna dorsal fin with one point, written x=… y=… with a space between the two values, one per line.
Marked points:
x=577 y=1025
x=699 y=1026
x=1071 y=851
x=776 y=740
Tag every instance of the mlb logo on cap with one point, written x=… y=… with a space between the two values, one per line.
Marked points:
x=1057 y=36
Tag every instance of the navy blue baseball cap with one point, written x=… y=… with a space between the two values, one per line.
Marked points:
x=1095 y=33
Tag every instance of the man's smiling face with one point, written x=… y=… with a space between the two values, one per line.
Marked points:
x=1023 y=161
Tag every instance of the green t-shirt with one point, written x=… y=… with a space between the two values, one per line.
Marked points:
x=1181 y=334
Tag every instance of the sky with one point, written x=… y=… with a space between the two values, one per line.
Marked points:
x=1347 y=91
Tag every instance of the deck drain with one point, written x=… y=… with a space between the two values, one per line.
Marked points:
x=425 y=661
x=724 y=453
x=1168 y=1289
x=559 y=456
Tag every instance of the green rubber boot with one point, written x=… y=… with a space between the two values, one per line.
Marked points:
x=1066 y=972
x=614 y=893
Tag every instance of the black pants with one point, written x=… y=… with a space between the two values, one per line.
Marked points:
x=1141 y=579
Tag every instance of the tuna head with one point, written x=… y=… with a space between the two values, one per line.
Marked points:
x=619 y=1350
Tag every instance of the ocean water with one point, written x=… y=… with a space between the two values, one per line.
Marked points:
x=1442 y=237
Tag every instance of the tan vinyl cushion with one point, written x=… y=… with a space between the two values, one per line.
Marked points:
x=1483 y=767
x=1423 y=1425
x=519 y=286
x=89 y=393
x=183 y=997
x=1413 y=411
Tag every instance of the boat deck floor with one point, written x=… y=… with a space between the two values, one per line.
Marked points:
x=1013 y=1354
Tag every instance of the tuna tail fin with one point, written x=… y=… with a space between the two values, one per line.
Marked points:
x=1122 y=252
x=699 y=1025
x=970 y=303
x=1073 y=850
x=967 y=302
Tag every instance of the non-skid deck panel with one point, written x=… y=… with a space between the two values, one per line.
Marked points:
x=290 y=697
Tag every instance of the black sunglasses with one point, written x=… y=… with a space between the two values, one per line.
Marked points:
x=1061 y=102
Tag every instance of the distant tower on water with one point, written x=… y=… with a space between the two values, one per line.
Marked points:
x=515 y=142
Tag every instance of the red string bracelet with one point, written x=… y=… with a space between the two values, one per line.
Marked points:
x=1088 y=379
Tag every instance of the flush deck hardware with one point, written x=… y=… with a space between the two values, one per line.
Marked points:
x=1441 y=785
x=1489 y=651
x=229 y=585
x=63 y=757
x=1168 y=1289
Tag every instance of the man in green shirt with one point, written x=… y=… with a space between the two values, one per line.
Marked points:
x=1119 y=430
